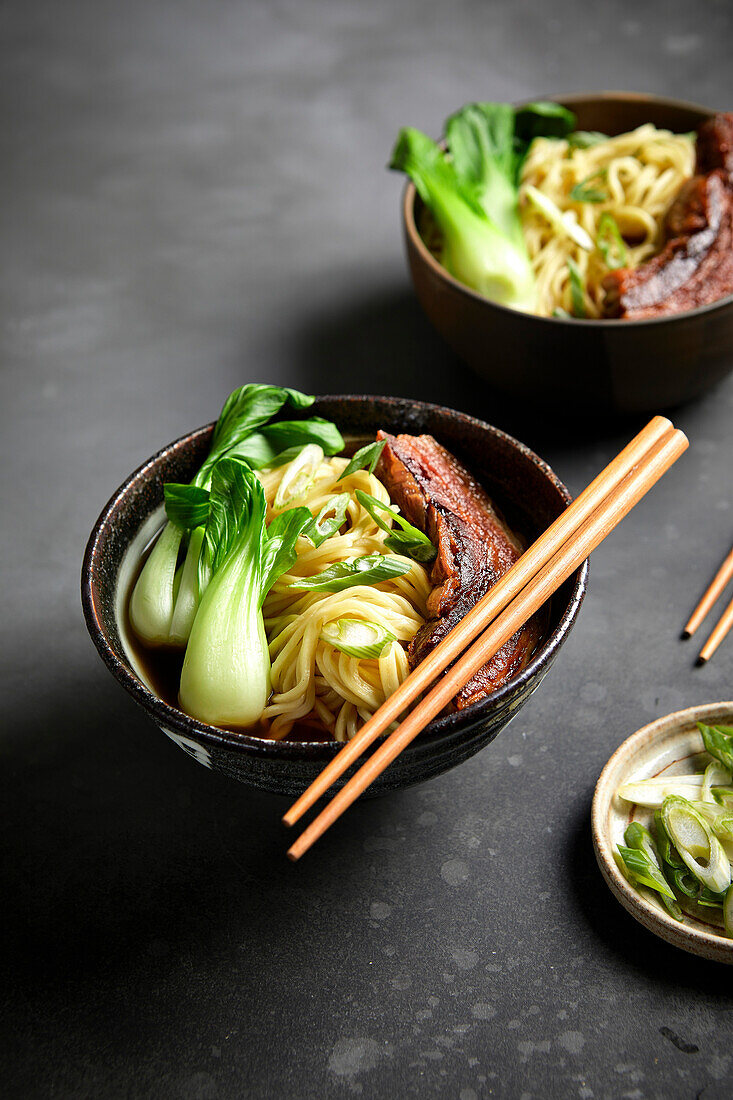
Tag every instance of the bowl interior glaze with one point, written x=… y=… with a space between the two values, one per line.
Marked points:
x=523 y=485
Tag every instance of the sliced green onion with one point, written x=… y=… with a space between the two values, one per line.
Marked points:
x=299 y=476
x=329 y=520
x=565 y=222
x=577 y=291
x=366 y=458
x=408 y=539
x=610 y=243
x=652 y=792
x=711 y=900
x=724 y=797
x=357 y=638
x=715 y=775
x=693 y=838
x=638 y=838
x=718 y=741
x=370 y=569
x=719 y=818
x=583 y=193
x=667 y=850
x=685 y=882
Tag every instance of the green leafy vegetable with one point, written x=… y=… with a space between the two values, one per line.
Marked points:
x=165 y=597
x=718 y=741
x=583 y=192
x=357 y=638
x=558 y=311
x=366 y=458
x=225 y=678
x=728 y=912
x=610 y=243
x=370 y=569
x=472 y=192
x=407 y=539
x=186 y=505
x=329 y=520
x=577 y=290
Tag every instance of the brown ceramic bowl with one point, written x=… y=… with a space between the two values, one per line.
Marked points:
x=618 y=366
x=530 y=493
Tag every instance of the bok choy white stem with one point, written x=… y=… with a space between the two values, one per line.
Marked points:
x=225 y=679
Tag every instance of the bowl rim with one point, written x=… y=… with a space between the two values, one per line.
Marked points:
x=683 y=935
x=175 y=718
x=409 y=196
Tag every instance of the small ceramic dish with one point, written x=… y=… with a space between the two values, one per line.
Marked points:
x=670 y=746
x=523 y=485
x=607 y=365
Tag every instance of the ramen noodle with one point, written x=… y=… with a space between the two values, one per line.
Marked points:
x=634 y=178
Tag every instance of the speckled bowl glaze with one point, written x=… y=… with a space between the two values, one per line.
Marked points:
x=609 y=366
x=672 y=745
x=522 y=483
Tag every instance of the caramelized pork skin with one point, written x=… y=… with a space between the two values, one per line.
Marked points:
x=475 y=548
x=695 y=267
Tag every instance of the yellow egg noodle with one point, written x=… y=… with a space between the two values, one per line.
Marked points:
x=312 y=681
x=638 y=175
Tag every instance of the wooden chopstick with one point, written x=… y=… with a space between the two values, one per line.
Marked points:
x=549 y=578
x=714 y=589
x=485 y=610
x=717 y=635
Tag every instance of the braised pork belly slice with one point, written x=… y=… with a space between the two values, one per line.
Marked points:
x=695 y=267
x=475 y=548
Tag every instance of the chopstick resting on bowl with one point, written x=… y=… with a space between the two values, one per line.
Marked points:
x=714 y=589
x=503 y=610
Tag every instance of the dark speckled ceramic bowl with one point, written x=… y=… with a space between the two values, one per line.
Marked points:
x=527 y=489
x=609 y=366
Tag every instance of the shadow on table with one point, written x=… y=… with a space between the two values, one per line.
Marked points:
x=383 y=344
x=625 y=937
x=123 y=856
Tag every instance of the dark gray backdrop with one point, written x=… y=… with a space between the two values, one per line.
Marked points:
x=194 y=196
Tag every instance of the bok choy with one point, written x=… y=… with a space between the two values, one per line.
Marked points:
x=225 y=678
x=166 y=596
x=472 y=190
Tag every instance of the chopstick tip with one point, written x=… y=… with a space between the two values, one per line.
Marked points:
x=701 y=661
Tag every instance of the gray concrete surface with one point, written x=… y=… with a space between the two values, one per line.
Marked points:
x=193 y=195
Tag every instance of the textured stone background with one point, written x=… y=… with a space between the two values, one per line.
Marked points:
x=193 y=196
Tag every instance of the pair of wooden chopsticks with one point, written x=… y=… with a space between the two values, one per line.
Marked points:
x=530 y=582
x=715 y=589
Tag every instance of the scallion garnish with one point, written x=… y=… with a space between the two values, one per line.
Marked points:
x=329 y=520
x=610 y=243
x=407 y=539
x=577 y=291
x=370 y=569
x=366 y=458
x=357 y=638
x=718 y=741
x=583 y=192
